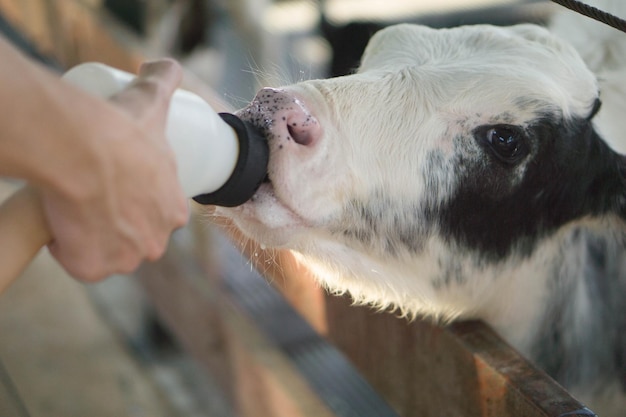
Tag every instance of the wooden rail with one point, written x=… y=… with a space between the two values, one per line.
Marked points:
x=364 y=363
x=288 y=349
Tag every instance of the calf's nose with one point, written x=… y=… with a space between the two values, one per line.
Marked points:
x=289 y=119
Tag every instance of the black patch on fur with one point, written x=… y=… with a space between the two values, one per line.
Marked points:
x=452 y=272
x=570 y=174
x=595 y=109
x=591 y=353
x=383 y=225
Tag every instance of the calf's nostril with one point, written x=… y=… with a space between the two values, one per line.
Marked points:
x=285 y=117
x=300 y=134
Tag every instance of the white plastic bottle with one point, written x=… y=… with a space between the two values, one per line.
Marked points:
x=221 y=160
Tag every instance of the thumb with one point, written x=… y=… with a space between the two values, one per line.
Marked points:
x=151 y=91
x=166 y=72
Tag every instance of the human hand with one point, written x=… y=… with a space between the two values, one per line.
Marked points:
x=122 y=204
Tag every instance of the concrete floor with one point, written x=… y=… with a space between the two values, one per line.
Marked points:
x=58 y=357
x=61 y=358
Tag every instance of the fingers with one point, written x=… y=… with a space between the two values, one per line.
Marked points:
x=91 y=266
x=148 y=96
x=92 y=243
x=91 y=263
x=166 y=72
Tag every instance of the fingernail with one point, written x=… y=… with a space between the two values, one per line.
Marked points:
x=156 y=66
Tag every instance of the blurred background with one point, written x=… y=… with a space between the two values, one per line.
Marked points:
x=67 y=349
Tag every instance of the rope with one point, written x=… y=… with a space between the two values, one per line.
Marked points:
x=594 y=13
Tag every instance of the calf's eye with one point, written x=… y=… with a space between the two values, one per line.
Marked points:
x=507 y=142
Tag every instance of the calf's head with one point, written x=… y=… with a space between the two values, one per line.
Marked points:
x=447 y=151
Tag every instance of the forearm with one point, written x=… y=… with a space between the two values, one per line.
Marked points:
x=45 y=123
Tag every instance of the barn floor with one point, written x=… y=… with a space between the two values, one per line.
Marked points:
x=58 y=357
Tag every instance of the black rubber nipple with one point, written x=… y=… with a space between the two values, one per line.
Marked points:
x=250 y=170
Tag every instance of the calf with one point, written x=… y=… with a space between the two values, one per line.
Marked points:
x=458 y=174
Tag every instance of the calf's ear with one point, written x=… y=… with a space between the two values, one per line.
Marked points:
x=552 y=43
x=394 y=47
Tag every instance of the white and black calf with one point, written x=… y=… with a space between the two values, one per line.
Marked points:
x=458 y=174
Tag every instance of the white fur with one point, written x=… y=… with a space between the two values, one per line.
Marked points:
x=358 y=113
